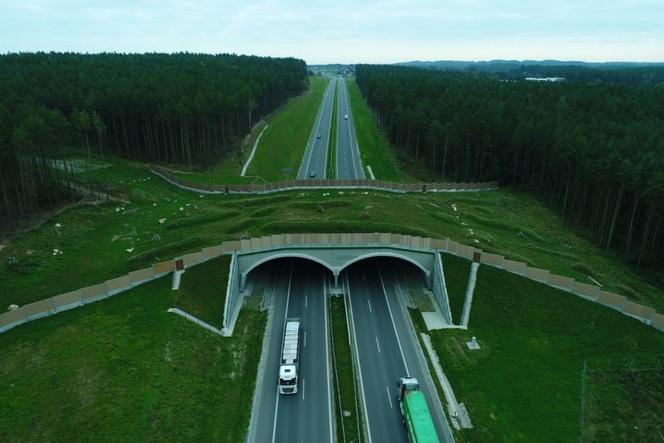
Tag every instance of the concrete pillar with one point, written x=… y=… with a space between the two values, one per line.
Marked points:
x=176 y=279
x=243 y=281
x=429 y=280
x=336 y=288
x=470 y=290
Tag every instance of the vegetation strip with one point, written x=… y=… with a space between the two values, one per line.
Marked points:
x=284 y=143
x=348 y=419
x=376 y=150
x=534 y=340
x=125 y=369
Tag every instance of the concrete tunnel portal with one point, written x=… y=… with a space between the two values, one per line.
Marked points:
x=335 y=267
x=334 y=260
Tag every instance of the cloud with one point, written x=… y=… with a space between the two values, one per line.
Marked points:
x=344 y=30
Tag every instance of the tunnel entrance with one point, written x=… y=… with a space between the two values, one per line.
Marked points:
x=285 y=274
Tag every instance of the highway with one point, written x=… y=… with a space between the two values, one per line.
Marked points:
x=348 y=163
x=314 y=161
x=298 y=291
x=387 y=350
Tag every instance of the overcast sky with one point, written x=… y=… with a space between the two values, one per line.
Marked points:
x=343 y=31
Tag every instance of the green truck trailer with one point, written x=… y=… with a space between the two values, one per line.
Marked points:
x=415 y=412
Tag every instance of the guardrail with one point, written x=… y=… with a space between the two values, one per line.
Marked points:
x=289 y=185
x=115 y=286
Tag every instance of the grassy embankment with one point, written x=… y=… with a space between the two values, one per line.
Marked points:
x=525 y=383
x=203 y=296
x=283 y=143
x=374 y=147
x=281 y=146
x=534 y=338
x=105 y=241
x=331 y=172
x=456 y=271
x=347 y=409
x=124 y=369
x=227 y=170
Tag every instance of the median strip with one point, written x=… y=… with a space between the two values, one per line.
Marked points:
x=347 y=411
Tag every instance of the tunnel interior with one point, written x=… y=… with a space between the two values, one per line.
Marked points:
x=269 y=273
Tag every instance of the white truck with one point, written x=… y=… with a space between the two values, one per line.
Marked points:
x=290 y=349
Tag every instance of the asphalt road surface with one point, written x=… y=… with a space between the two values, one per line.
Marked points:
x=314 y=162
x=387 y=350
x=349 y=165
x=306 y=416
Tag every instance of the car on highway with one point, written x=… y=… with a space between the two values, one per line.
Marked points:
x=318 y=136
x=346 y=116
x=312 y=174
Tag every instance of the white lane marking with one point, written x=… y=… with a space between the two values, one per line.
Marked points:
x=327 y=360
x=306 y=301
x=303 y=387
x=377 y=344
x=369 y=303
x=305 y=338
x=392 y=318
x=389 y=397
x=349 y=311
x=276 y=401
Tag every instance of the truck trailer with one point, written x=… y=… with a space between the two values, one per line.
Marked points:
x=415 y=412
x=290 y=349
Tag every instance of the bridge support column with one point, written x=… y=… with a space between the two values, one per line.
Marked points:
x=336 y=288
x=243 y=281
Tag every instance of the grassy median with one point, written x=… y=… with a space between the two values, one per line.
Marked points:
x=347 y=408
x=124 y=369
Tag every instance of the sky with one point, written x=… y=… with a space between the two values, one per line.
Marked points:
x=343 y=31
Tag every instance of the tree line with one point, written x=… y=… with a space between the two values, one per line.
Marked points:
x=611 y=72
x=187 y=109
x=594 y=151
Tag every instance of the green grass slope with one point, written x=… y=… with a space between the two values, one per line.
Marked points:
x=374 y=147
x=126 y=370
x=525 y=383
x=104 y=241
x=283 y=143
x=202 y=290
